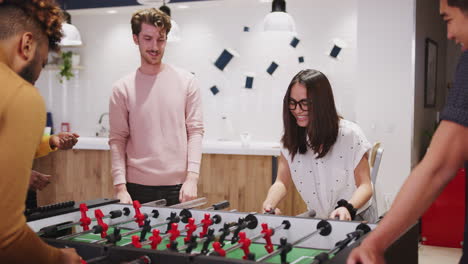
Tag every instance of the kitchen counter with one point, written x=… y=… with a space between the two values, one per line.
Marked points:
x=258 y=148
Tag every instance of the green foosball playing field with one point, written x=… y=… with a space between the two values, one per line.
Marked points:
x=296 y=255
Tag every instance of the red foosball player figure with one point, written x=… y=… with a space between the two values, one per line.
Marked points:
x=218 y=249
x=175 y=233
x=85 y=220
x=267 y=233
x=136 y=241
x=190 y=228
x=155 y=239
x=206 y=224
x=99 y=215
x=245 y=244
x=139 y=217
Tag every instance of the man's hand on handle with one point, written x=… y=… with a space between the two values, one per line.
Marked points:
x=188 y=191
x=121 y=193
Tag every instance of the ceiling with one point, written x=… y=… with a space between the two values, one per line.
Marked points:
x=85 y=4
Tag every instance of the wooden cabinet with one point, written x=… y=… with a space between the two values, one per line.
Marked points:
x=244 y=180
x=77 y=175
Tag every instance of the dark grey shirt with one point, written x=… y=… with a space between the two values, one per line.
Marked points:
x=456 y=108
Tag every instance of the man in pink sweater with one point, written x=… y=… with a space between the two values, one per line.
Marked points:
x=156 y=126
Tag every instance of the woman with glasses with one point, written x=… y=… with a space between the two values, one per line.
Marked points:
x=324 y=155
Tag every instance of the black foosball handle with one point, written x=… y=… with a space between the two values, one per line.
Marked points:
x=221 y=205
x=321 y=258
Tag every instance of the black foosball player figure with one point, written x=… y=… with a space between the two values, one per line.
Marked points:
x=224 y=232
x=209 y=238
x=285 y=249
x=191 y=244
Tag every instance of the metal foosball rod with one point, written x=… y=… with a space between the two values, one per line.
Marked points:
x=285 y=225
x=98 y=228
x=191 y=226
x=250 y=222
x=190 y=204
x=309 y=214
x=184 y=215
x=84 y=221
x=323 y=228
x=157 y=203
x=361 y=230
x=219 y=206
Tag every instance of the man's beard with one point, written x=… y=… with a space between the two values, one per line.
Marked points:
x=27 y=72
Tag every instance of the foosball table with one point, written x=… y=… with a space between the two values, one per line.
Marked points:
x=106 y=231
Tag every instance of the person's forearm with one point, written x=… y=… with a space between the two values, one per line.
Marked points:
x=192 y=176
x=276 y=193
x=118 y=161
x=360 y=197
x=445 y=156
x=194 y=150
x=414 y=198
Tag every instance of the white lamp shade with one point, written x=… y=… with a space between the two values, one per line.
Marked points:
x=71 y=35
x=279 y=21
x=174 y=34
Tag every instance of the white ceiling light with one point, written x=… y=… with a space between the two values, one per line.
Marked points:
x=278 y=19
x=71 y=35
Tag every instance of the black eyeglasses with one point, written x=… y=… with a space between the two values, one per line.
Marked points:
x=304 y=104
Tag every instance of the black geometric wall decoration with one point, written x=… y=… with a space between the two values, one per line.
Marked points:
x=301 y=59
x=249 y=82
x=223 y=59
x=272 y=68
x=214 y=90
x=294 y=42
x=335 y=51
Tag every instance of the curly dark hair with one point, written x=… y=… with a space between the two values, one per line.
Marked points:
x=150 y=16
x=38 y=16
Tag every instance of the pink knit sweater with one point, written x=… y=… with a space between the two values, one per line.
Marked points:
x=156 y=127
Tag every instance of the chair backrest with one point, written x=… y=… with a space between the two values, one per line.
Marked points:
x=376 y=157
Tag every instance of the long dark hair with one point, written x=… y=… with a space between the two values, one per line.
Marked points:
x=322 y=130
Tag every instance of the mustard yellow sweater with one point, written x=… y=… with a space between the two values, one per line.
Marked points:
x=44 y=147
x=22 y=119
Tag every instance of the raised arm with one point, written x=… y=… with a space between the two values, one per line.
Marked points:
x=445 y=156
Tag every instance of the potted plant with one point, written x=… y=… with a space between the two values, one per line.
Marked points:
x=66 y=66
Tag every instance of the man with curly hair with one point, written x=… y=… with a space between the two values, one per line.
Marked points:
x=28 y=30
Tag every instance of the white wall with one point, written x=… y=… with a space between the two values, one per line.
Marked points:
x=385 y=97
x=208 y=28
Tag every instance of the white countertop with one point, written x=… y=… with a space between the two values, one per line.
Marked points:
x=258 y=148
